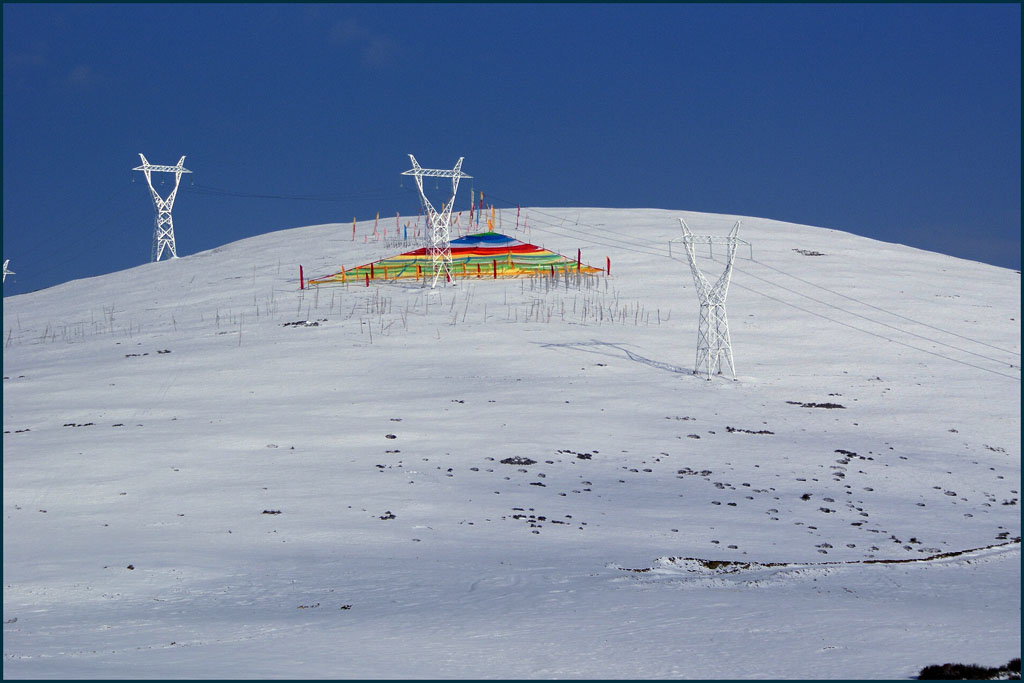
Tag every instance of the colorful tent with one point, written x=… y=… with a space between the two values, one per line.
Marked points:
x=483 y=255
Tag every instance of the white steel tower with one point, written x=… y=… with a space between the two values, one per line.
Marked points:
x=713 y=343
x=439 y=244
x=7 y=272
x=163 y=232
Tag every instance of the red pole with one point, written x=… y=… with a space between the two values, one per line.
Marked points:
x=608 y=264
x=577 y=260
x=302 y=282
x=478 y=270
x=494 y=264
x=371 y=271
x=367 y=279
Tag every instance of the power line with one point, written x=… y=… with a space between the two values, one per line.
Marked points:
x=84 y=218
x=874 y=334
x=603 y=241
x=562 y=218
x=819 y=287
x=877 y=322
x=43 y=267
x=49 y=267
x=378 y=194
x=864 y=303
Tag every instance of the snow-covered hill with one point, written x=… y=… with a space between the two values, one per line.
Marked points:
x=209 y=472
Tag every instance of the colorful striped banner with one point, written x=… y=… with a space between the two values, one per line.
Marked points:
x=503 y=255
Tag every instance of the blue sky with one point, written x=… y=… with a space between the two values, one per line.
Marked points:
x=896 y=122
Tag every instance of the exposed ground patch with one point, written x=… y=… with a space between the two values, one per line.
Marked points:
x=697 y=564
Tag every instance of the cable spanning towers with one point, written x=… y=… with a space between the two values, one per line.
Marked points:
x=713 y=343
x=439 y=245
x=163 y=232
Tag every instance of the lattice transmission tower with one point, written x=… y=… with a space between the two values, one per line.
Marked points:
x=439 y=245
x=713 y=343
x=7 y=272
x=163 y=227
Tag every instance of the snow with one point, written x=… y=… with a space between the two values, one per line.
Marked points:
x=194 y=488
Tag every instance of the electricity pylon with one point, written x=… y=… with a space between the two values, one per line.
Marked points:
x=439 y=247
x=713 y=343
x=7 y=272
x=163 y=231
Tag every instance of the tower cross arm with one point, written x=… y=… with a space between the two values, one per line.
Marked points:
x=146 y=166
x=436 y=173
x=168 y=169
x=418 y=170
x=710 y=239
